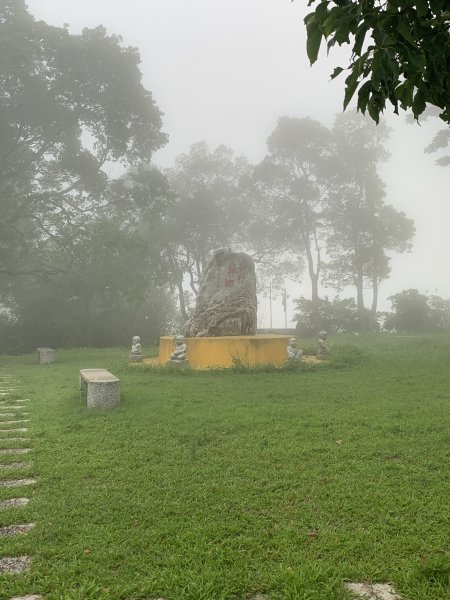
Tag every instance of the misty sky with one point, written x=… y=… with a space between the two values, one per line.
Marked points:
x=224 y=71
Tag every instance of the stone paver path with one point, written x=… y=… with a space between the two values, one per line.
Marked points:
x=34 y=597
x=17 y=482
x=8 y=389
x=19 y=430
x=14 y=465
x=14 y=414
x=373 y=591
x=15 y=529
x=14 y=564
x=13 y=502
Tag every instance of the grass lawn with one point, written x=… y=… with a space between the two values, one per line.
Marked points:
x=222 y=485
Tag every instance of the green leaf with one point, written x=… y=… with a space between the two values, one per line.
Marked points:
x=351 y=83
x=363 y=96
x=417 y=62
x=418 y=104
x=359 y=39
x=378 y=68
x=404 y=93
x=314 y=37
x=404 y=29
x=329 y=24
x=374 y=110
x=337 y=71
x=422 y=8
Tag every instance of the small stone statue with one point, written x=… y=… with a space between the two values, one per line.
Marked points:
x=179 y=354
x=136 y=350
x=293 y=352
x=322 y=351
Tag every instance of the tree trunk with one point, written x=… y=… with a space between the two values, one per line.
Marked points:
x=88 y=317
x=373 y=309
x=183 y=311
x=363 y=325
x=313 y=272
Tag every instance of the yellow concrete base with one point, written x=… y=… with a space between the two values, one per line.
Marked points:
x=227 y=351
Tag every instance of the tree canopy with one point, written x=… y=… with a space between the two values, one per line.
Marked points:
x=74 y=268
x=400 y=51
x=69 y=104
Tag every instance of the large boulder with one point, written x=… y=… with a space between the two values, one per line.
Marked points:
x=226 y=302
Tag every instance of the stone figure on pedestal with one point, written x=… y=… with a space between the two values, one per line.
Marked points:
x=136 y=350
x=179 y=355
x=293 y=352
x=322 y=351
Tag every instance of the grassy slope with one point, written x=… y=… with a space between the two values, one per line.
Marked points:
x=221 y=485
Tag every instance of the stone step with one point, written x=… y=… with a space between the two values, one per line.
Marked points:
x=14 y=439
x=33 y=597
x=18 y=400
x=14 y=502
x=15 y=450
x=15 y=465
x=19 y=430
x=14 y=564
x=373 y=591
x=17 y=408
x=2 y=414
x=15 y=422
x=16 y=529
x=9 y=483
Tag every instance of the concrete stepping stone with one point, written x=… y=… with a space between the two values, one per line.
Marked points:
x=14 y=439
x=15 y=422
x=14 y=502
x=14 y=414
x=15 y=465
x=14 y=564
x=373 y=591
x=20 y=430
x=16 y=529
x=8 y=483
x=18 y=400
x=17 y=408
x=14 y=450
x=33 y=597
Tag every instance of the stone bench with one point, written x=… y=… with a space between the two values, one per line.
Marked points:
x=45 y=355
x=103 y=388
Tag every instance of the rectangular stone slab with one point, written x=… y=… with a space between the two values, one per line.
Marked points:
x=103 y=388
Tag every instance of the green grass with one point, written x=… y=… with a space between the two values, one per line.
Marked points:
x=219 y=485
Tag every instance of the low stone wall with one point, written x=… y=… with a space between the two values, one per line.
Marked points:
x=224 y=352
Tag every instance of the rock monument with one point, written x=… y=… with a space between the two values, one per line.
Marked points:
x=226 y=302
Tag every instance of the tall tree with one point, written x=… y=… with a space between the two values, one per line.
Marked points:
x=406 y=61
x=72 y=106
x=364 y=230
x=295 y=178
x=208 y=212
x=410 y=310
x=69 y=105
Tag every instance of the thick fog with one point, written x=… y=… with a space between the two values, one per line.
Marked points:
x=225 y=71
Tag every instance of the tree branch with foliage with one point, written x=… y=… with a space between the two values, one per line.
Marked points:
x=400 y=51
